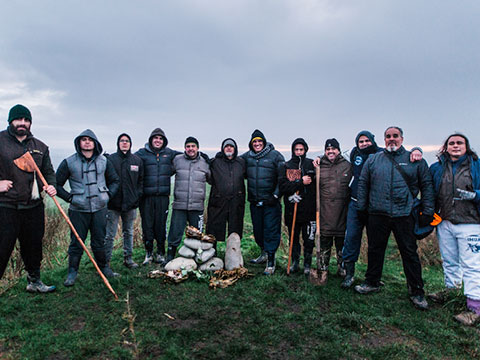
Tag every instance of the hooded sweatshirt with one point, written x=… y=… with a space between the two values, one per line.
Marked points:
x=92 y=180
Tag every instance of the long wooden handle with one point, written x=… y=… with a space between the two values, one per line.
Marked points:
x=291 y=236
x=105 y=280
x=317 y=230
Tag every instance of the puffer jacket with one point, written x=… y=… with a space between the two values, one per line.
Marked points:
x=334 y=195
x=438 y=170
x=263 y=172
x=129 y=168
x=20 y=195
x=383 y=191
x=306 y=207
x=157 y=166
x=92 y=181
x=191 y=176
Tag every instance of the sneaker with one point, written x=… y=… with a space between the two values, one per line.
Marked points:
x=366 y=288
x=160 y=259
x=295 y=267
x=262 y=259
x=148 y=258
x=306 y=270
x=441 y=297
x=419 y=302
x=269 y=270
x=347 y=282
x=39 y=287
x=467 y=318
x=129 y=263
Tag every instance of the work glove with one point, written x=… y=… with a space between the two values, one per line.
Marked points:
x=466 y=195
x=424 y=220
x=294 y=198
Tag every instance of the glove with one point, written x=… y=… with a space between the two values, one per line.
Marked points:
x=362 y=216
x=294 y=198
x=424 y=220
x=466 y=195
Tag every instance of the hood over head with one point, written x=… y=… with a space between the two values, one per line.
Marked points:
x=257 y=134
x=118 y=141
x=229 y=141
x=371 y=137
x=299 y=141
x=98 y=147
x=156 y=132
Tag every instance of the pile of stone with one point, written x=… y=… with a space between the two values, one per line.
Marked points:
x=197 y=252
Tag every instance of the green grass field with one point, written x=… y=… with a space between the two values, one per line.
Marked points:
x=278 y=317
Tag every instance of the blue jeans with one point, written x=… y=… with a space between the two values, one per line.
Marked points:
x=353 y=236
x=267 y=221
x=128 y=217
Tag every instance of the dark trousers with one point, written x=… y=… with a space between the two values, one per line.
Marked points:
x=267 y=221
x=154 y=213
x=179 y=222
x=307 y=229
x=96 y=222
x=326 y=243
x=28 y=226
x=378 y=229
x=218 y=217
x=353 y=236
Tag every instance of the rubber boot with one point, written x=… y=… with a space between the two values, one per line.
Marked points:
x=34 y=284
x=307 y=262
x=340 y=269
x=108 y=272
x=73 y=264
x=171 y=252
x=323 y=271
x=349 y=267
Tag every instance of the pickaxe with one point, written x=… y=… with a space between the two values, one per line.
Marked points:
x=27 y=164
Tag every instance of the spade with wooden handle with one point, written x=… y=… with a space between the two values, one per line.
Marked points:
x=27 y=164
x=292 y=175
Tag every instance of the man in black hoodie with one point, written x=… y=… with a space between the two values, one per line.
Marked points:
x=93 y=181
x=227 y=195
x=158 y=169
x=264 y=166
x=299 y=188
x=129 y=168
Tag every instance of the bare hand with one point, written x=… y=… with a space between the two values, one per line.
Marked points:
x=416 y=155
x=307 y=180
x=316 y=162
x=50 y=190
x=5 y=185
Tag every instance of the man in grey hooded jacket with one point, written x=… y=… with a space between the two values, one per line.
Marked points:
x=93 y=181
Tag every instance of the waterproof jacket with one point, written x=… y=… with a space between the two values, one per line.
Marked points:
x=92 y=181
x=467 y=177
x=129 y=168
x=383 y=191
x=20 y=195
x=302 y=166
x=157 y=166
x=263 y=172
x=191 y=176
x=334 y=195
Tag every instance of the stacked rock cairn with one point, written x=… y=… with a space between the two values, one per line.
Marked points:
x=197 y=253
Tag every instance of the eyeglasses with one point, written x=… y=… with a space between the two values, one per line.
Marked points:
x=125 y=141
x=395 y=136
x=459 y=142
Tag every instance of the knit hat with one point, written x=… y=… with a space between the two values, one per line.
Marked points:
x=18 y=112
x=257 y=135
x=332 y=143
x=190 y=140
x=229 y=142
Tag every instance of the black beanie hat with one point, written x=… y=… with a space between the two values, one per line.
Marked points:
x=191 y=139
x=18 y=112
x=332 y=143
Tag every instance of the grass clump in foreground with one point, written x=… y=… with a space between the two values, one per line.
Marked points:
x=278 y=317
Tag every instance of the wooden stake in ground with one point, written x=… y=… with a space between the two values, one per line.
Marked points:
x=292 y=175
x=27 y=164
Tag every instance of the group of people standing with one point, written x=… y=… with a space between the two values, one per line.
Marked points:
x=375 y=189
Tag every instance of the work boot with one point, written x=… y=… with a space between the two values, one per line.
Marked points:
x=270 y=269
x=442 y=296
x=366 y=288
x=261 y=259
x=108 y=272
x=148 y=258
x=171 y=252
x=349 y=275
x=419 y=302
x=73 y=264
x=129 y=263
x=467 y=318
x=34 y=284
x=307 y=263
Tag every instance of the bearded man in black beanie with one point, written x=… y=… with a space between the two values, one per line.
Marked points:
x=21 y=205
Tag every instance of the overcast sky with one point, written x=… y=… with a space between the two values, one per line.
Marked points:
x=217 y=69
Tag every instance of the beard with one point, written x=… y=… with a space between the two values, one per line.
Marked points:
x=392 y=148
x=229 y=153
x=21 y=130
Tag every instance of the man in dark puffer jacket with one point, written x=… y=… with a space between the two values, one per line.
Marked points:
x=227 y=196
x=300 y=189
x=385 y=194
x=157 y=165
x=129 y=168
x=264 y=165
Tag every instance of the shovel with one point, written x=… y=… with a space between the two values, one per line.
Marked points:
x=27 y=164
x=314 y=279
x=292 y=175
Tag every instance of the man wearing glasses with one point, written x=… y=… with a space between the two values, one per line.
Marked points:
x=388 y=184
